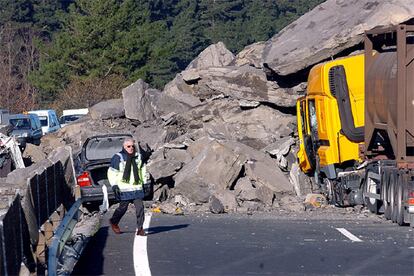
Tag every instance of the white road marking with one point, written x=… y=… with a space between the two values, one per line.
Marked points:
x=141 y=263
x=349 y=235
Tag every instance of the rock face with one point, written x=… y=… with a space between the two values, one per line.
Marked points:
x=330 y=28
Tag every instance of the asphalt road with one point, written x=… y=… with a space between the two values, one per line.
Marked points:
x=263 y=244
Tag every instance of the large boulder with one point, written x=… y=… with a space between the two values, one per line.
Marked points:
x=225 y=119
x=329 y=29
x=242 y=83
x=251 y=55
x=109 y=109
x=139 y=100
x=215 y=168
x=271 y=177
x=215 y=55
x=164 y=169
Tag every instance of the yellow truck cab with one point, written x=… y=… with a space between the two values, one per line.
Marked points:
x=331 y=117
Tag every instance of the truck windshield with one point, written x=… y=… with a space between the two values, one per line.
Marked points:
x=313 y=120
x=22 y=123
x=43 y=120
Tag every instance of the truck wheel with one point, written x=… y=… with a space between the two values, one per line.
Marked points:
x=384 y=194
x=393 y=197
x=400 y=200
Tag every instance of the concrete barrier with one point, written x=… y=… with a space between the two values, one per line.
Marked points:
x=37 y=198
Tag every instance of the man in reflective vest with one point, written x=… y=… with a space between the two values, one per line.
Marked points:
x=127 y=174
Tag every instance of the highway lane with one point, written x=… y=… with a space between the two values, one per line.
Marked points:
x=263 y=244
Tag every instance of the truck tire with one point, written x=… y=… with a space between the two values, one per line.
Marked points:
x=391 y=195
x=400 y=191
x=385 y=180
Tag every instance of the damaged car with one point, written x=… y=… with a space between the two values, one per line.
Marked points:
x=91 y=167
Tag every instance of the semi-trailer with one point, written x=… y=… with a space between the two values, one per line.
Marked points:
x=356 y=125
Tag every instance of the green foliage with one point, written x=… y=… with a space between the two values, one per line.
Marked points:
x=148 y=39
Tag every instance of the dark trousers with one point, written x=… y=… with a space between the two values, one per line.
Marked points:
x=123 y=207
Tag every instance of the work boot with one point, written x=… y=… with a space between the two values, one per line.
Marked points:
x=141 y=232
x=115 y=228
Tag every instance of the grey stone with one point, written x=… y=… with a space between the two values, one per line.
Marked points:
x=245 y=190
x=109 y=109
x=153 y=135
x=339 y=25
x=248 y=104
x=181 y=200
x=228 y=199
x=291 y=203
x=281 y=147
x=265 y=194
x=269 y=176
x=163 y=169
x=34 y=153
x=161 y=193
x=190 y=75
x=168 y=208
x=216 y=165
x=181 y=92
x=139 y=100
x=215 y=55
x=216 y=207
x=178 y=155
x=251 y=55
x=300 y=182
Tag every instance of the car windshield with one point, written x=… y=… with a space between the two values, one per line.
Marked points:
x=43 y=120
x=69 y=118
x=21 y=123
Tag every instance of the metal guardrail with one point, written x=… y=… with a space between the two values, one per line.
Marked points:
x=60 y=237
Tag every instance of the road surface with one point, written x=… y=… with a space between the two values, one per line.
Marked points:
x=263 y=244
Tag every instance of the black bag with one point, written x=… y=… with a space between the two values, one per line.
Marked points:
x=148 y=190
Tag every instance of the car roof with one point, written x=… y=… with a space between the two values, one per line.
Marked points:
x=80 y=111
x=42 y=111
x=20 y=116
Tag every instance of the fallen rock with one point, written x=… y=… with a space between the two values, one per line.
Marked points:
x=300 y=182
x=215 y=168
x=228 y=199
x=291 y=203
x=280 y=151
x=181 y=92
x=34 y=153
x=245 y=190
x=181 y=200
x=190 y=76
x=339 y=25
x=107 y=110
x=180 y=155
x=163 y=169
x=139 y=100
x=215 y=55
x=241 y=83
x=271 y=177
x=216 y=207
x=251 y=55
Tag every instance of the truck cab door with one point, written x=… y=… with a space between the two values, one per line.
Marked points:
x=306 y=156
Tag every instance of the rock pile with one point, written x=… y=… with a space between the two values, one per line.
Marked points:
x=223 y=131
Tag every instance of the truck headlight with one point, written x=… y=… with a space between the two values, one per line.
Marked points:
x=25 y=134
